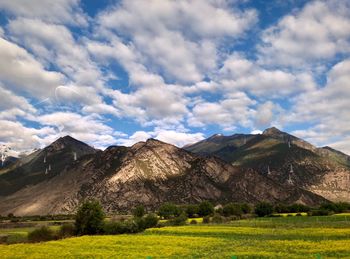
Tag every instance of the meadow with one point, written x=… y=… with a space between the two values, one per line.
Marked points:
x=280 y=237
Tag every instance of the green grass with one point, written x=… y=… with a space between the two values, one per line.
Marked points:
x=283 y=237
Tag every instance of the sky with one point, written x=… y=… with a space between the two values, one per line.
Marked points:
x=118 y=72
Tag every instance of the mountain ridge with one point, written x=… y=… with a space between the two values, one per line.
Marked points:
x=232 y=169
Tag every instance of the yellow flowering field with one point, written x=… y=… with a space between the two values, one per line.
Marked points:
x=235 y=240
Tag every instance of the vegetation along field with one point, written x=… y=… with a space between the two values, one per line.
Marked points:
x=275 y=237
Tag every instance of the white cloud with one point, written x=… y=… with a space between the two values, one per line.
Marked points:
x=21 y=138
x=239 y=73
x=228 y=113
x=179 y=139
x=134 y=138
x=55 y=44
x=169 y=136
x=327 y=108
x=20 y=71
x=151 y=103
x=59 y=11
x=90 y=129
x=268 y=114
x=318 y=32
x=177 y=38
x=12 y=105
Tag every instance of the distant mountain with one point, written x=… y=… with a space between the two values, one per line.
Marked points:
x=286 y=159
x=8 y=161
x=42 y=164
x=147 y=173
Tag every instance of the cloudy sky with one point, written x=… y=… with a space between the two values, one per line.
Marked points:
x=117 y=72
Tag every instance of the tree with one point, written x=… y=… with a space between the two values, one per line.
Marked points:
x=263 y=209
x=89 y=218
x=205 y=208
x=245 y=208
x=232 y=209
x=191 y=210
x=169 y=210
x=139 y=211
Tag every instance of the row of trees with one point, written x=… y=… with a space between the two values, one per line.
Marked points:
x=90 y=218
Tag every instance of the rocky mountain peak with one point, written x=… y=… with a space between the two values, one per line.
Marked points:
x=273 y=131
x=68 y=142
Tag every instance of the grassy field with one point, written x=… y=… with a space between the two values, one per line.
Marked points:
x=283 y=237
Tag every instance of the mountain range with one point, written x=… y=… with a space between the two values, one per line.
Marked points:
x=273 y=166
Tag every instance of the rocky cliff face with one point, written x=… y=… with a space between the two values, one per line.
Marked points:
x=148 y=173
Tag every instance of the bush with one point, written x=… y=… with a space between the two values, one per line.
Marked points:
x=205 y=208
x=66 y=230
x=139 y=211
x=298 y=214
x=281 y=208
x=191 y=210
x=206 y=220
x=193 y=222
x=217 y=218
x=89 y=218
x=169 y=210
x=232 y=209
x=178 y=221
x=246 y=208
x=41 y=234
x=149 y=221
x=319 y=212
x=338 y=207
x=298 y=208
x=129 y=226
x=263 y=209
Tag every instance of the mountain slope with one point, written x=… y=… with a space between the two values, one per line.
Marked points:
x=42 y=164
x=291 y=161
x=148 y=173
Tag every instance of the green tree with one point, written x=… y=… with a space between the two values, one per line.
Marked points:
x=169 y=210
x=263 y=209
x=89 y=218
x=245 y=208
x=232 y=209
x=139 y=211
x=205 y=208
x=192 y=210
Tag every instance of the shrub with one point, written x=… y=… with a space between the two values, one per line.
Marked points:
x=113 y=228
x=298 y=214
x=206 y=220
x=281 y=208
x=193 y=222
x=319 y=212
x=217 y=218
x=149 y=221
x=139 y=211
x=232 y=209
x=205 y=208
x=298 y=208
x=191 y=210
x=338 y=207
x=41 y=234
x=66 y=230
x=246 y=208
x=263 y=209
x=169 y=210
x=89 y=218
x=178 y=221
